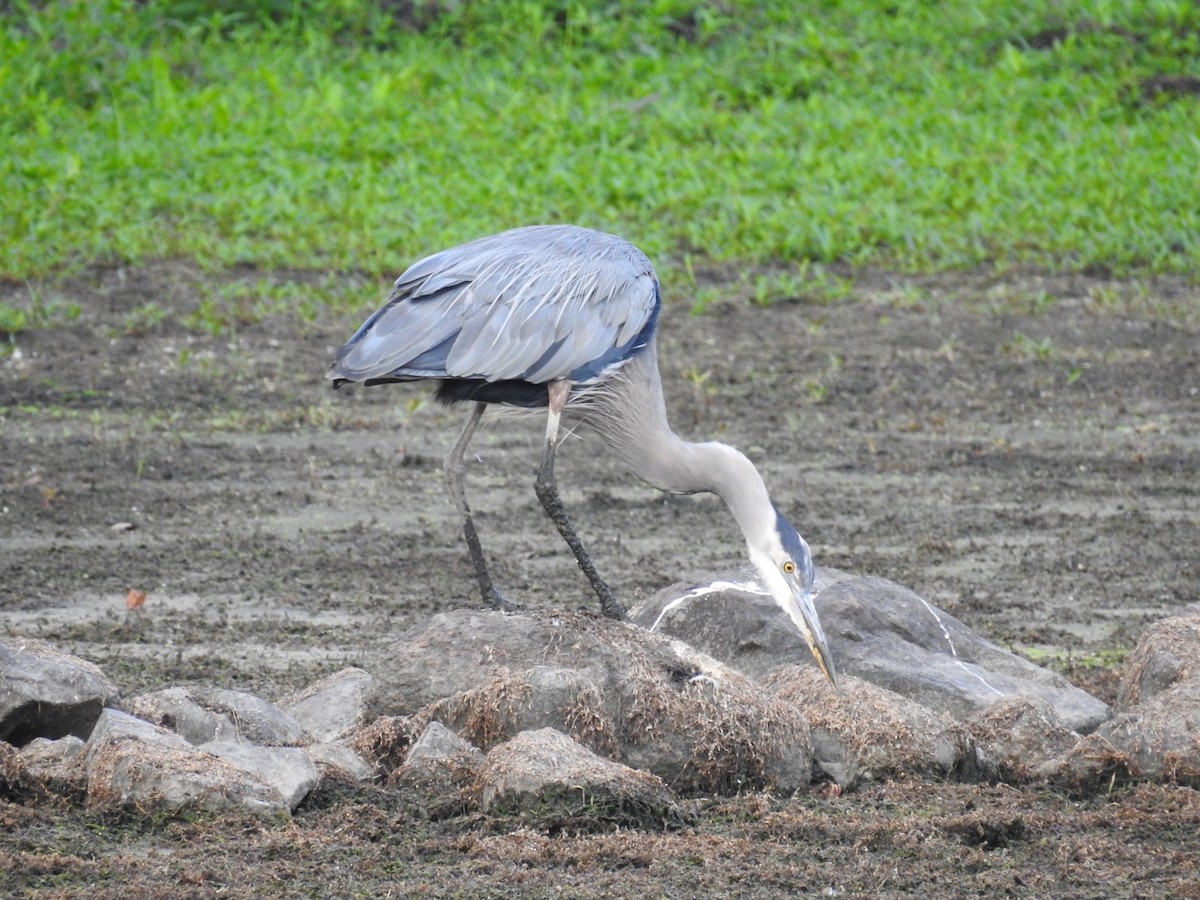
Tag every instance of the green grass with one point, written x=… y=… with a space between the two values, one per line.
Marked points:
x=318 y=135
x=34 y=311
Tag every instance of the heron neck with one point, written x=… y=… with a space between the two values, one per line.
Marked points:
x=723 y=470
x=632 y=419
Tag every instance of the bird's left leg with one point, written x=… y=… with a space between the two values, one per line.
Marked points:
x=547 y=491
x=454 y=479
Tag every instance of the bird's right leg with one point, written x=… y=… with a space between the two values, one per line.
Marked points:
x=547 y=491
x=453 y=467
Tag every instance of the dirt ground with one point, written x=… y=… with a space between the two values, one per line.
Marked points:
x=1023 y=451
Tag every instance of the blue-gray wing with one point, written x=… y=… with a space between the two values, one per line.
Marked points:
x=534 y=304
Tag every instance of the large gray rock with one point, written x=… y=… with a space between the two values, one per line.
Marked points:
x=47 y=693
x=287 y=769
x=877 y=630
x=558 y=779
x=866 y=733
x=333 y=707
x=642 y=699
x=201 y=714
x=132 y=762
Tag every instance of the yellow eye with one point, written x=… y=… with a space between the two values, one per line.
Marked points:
x=789 y=567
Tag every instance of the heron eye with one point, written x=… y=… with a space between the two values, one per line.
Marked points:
x=789 y=567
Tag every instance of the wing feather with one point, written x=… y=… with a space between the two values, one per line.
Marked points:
x=534 y=304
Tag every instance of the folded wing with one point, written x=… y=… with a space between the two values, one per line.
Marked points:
x=533 y=304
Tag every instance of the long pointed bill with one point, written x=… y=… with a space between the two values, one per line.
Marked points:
x=804 y=614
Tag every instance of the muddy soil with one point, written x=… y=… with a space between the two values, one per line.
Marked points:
x=1024 y=451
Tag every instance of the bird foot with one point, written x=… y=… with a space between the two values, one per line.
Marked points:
x=498 y=601
x=611 y=607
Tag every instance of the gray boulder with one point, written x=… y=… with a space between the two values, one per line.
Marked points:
x=642 y=699
x=865 y=733
x=878 y=631
x=45 y=693
x=332 y=707
x=201 y=714
x=547 y=776
x=131 y=762
x=287 y=769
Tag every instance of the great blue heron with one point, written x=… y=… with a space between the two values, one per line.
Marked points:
x=564 y=317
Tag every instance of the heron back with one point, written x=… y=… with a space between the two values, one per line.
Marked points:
x=523 y=307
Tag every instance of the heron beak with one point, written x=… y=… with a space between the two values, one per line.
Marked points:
x=804 y=614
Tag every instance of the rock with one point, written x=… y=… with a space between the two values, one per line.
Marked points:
x=866 y=733
x=1018 y=740
x=547 y=776
x=12 y=773
x=332 y=707
x=132 y=762
x=175 y=709
x=287 y=769
x=443 y=770
x=641 y=699
x=878 y=631
x=341 y=760
x=1163 y=737
x=58 y=764
x=437 y=744
x=201 y=715
x=1167 y=653
x=47 y=693
x=1157 y=734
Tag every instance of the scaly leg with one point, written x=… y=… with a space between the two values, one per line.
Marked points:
x=453 y=466
x=547 y=492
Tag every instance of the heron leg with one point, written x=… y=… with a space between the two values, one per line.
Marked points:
x=547 y=492
x=453 y=466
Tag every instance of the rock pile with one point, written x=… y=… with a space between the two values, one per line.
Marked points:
x=599 y=724
x=204 y=748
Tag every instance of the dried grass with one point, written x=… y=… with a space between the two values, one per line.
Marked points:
x=884 y=732
x=627 y=695
x=385 y=742
x=486 y=715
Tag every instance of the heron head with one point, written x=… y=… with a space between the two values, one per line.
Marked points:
x=785 y=564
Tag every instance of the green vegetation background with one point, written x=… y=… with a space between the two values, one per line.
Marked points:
x=324 y=134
